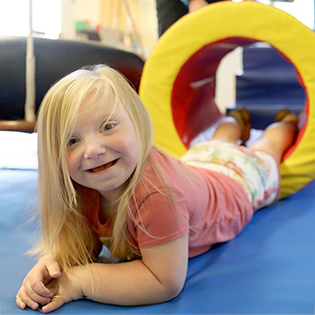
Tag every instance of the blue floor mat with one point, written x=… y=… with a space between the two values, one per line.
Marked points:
x=269 y=268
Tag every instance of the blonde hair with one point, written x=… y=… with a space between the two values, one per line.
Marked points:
x=66 y=233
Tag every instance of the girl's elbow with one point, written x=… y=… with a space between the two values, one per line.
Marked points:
x=175 y=292
x=172 y=290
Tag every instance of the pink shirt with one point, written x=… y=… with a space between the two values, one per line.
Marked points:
x=209 y=206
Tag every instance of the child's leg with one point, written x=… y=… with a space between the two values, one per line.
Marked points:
x=234 y=128
x=229 y=131
x=277 y=138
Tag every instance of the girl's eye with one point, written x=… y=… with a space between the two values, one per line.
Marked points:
x=108 y=127
x=72 y=142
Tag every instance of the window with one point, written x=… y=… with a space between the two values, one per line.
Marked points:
x=303 y=10
x=14 y=17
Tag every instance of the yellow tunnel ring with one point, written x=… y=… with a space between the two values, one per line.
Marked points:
x=219 y=28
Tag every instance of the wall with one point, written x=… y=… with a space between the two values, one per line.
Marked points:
x=135 y=31
x=112 y=16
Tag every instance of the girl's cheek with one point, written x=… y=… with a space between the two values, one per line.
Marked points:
x=73 y=162
x=128 y=141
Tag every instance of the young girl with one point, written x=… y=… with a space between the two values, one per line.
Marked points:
x=102 y=182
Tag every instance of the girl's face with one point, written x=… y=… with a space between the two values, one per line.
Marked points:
x=103 y=149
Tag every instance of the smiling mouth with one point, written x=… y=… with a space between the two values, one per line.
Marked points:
x=102 y=167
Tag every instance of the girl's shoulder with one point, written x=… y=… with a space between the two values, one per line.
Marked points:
x=163 y=159
x=163 y=171
x=160 y=163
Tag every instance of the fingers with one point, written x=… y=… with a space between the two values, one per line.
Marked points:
x=33 y=291
x=20 y=303
x=40 y=276
x=56 y=302
x=26 y=302
x=37 y=290
x=30 y=298
x=32 y=294
x=53 y=269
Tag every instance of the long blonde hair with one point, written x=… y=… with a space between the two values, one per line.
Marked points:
x=66 y=233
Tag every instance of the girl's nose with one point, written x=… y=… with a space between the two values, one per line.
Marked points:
x=94 y=149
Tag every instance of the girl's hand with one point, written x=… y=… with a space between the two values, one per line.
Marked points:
x=67 y=288
x=33 y=290
x=196 y=4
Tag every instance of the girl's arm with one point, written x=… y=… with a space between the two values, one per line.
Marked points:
x=158 y=277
